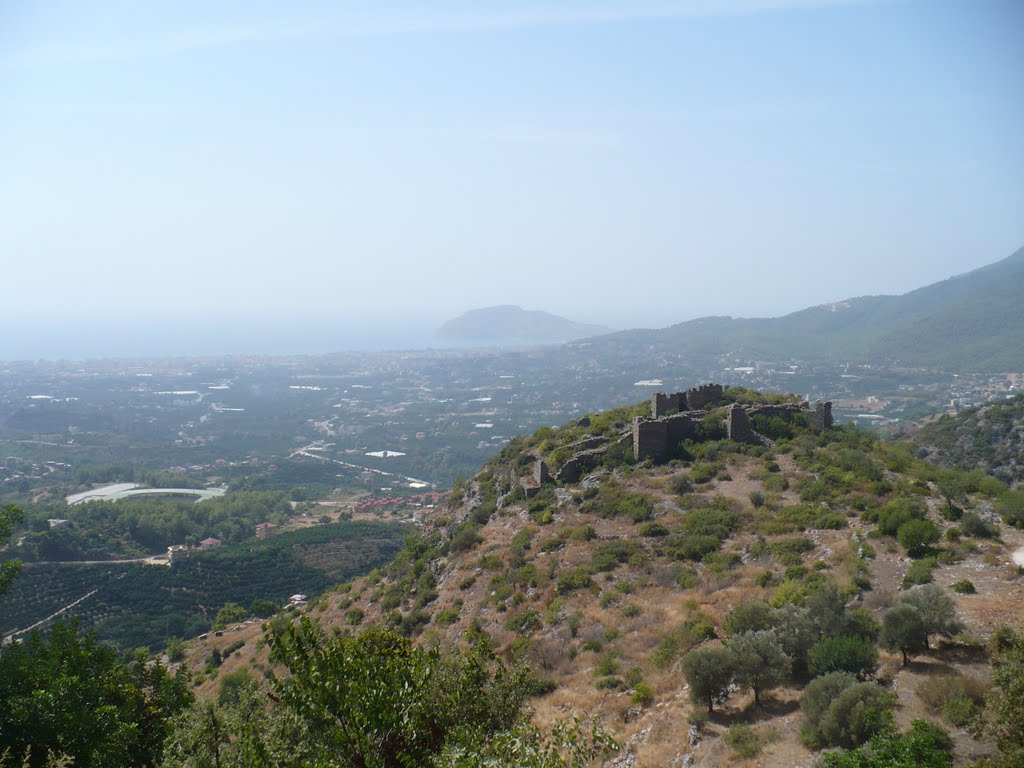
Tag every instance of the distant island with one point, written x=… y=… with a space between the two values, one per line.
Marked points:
x=509 y=324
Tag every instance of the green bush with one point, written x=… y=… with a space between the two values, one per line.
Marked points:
x=578 y=578
x=964 y=587
x=643 y=695
x=524 y=622
x=844 y=653
x=925 y=745
x=917 y=536
x=744 y=740
x=919 y=572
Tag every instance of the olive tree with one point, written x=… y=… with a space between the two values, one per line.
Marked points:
x=903 y=629
x=759 y=661
x=709 y=673
x=937 y=610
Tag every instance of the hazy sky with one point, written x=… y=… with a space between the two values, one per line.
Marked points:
x=342 y=165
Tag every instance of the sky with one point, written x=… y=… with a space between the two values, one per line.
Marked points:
x=205 y=177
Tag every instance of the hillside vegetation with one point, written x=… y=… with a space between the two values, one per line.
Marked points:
x=989 y=437
x=136 y=605
x=971 y=322
x=736 y=602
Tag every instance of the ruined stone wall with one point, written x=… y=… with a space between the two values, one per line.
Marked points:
x=819 y=418
x=650 y=439
x=540 y=473
x=678 y=428
x=737 y=425
x=581 y=463
x=589 y=442
x=663 y=404
x=698 y=397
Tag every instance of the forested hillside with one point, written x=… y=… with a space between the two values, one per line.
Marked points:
x=989 y=437
x=136 y=605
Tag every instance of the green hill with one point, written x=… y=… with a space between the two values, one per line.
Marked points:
x=989 y=437
x=972 y=322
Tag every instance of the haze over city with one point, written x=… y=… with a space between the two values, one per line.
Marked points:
x=185 y=178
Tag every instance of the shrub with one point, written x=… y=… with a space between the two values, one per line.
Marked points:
x=447 y=616
x=964 y=695
x=692 y=547
x=925 y=745
x=964 y=587
x=642 y=695
x=466 y=537
x=681 y=484
x=653 y=530
x=584 y=533
x=686 y=579
x=972 y=525
x=856 y=714
x=608 y=555
x=744 y=740
x=917 y=536
x=845 y=653
x=578 y=578
x=524 y=622
x=919 y=572
x=787 y=592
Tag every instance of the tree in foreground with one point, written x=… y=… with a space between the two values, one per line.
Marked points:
x=857 y=714
x=903 y=630
x=10 y=516
x=68 y=695
x=709 y=672
x=840 y=712
x=376 y=700
x=925 y=745
x=1006 y=702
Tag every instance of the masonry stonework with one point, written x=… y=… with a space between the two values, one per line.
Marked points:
x=677 y=416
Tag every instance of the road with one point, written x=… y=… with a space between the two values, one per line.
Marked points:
x=309 y=454
x=10 y=638
x=153 y=560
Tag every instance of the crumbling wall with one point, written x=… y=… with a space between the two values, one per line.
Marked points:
x=663 y=404
x=589 y=442
x=698 y=397
x=678 y=428
x=650 y=439
x=737 y=425
x=581 y=463
x=819 y=418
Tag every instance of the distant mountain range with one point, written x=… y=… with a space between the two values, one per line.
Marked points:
x=973 y=322
x=509 y=324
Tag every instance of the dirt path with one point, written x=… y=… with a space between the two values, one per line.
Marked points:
x=16 y=633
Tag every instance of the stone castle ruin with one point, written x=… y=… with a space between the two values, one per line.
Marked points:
x=681 y=415
x=674 y=418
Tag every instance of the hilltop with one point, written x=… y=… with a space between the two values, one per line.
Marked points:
x=971 y=322
x=609 y=553
x=509 y=324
